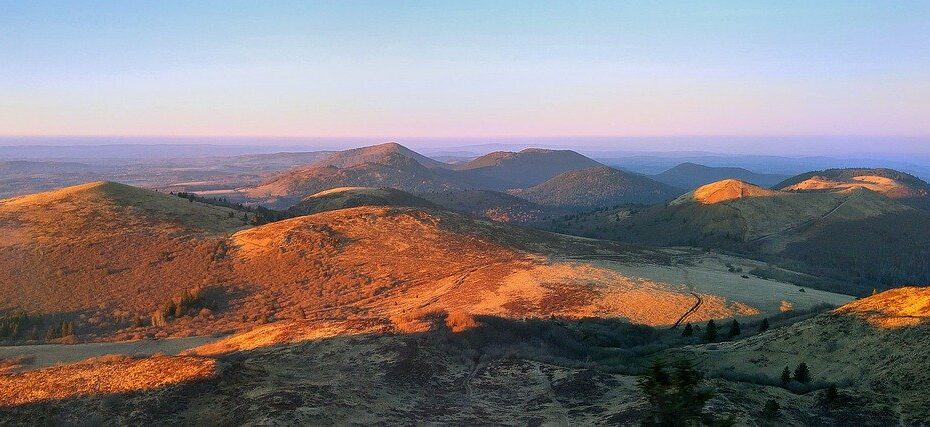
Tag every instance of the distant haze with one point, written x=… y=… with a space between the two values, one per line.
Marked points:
x=902 y=148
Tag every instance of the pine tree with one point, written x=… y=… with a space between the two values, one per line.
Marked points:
x=710 y=334
x=53 y=332
x=688 y=331
x=734 y=329
x=675 y=397
x=179 y=309
x=802 y=374
x=785 y=376
x=764 y=325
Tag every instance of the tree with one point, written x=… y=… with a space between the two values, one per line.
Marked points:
x=710 y=334
x=53 y=332
x=168 y=310
x=688 y=331
x=764 y=325
x=802 y=374
x=785 y=376
x=734 y=329
x=675 y=398
x=67 y=329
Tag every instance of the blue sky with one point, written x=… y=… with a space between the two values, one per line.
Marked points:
x=464 y=69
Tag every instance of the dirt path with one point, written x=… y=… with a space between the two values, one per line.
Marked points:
x=694 y=308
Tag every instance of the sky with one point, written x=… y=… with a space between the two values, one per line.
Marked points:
x=465 y=69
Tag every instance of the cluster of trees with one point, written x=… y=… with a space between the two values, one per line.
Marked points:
x=13 y=326
x=711 y=332
x=179 y=306
x=61 y=330
x=675 y=394
x=260 y=214
x=802 y=374
x=22 y=326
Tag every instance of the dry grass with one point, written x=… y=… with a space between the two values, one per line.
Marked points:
x=107 y=375
x=133 y=250
x=722 y=191
x=896 y=308
x=887 y=186
x=877 y=344
x=105 y=246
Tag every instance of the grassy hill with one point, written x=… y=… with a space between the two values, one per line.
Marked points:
x=391 y=169
x=867 y=347
x=109 y=257
x=395 y=166
x=856 y=236
x=597 y=187
x=412 y=313
x=351 y=197
x=526 y=168
x=105 y=246
x=891 y=183
x=376 y=154
x=490 y=204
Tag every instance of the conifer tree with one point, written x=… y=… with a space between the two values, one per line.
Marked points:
x=688 y=331
x=734 y=328
x=710 y=334
x=675 y=396
x=785 y=376
x=802 y=374
x=764 y=325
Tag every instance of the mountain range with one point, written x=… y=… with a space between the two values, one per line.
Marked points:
x=548 y=177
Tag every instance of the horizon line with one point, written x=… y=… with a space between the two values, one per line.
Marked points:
x=390 y=138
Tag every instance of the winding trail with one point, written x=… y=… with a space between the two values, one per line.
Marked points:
x=693 y=308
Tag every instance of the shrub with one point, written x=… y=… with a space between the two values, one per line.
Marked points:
x=734 y=329
x=675 y=397
x=802 y=373
x=710 y=334
x=785 y=376
x=688 y=331
x=764 y=325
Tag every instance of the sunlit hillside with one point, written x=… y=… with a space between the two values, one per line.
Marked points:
x=869 y=348
x=118 y=262
x=106 y=251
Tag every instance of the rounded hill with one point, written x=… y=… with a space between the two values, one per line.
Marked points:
x=596 y=187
